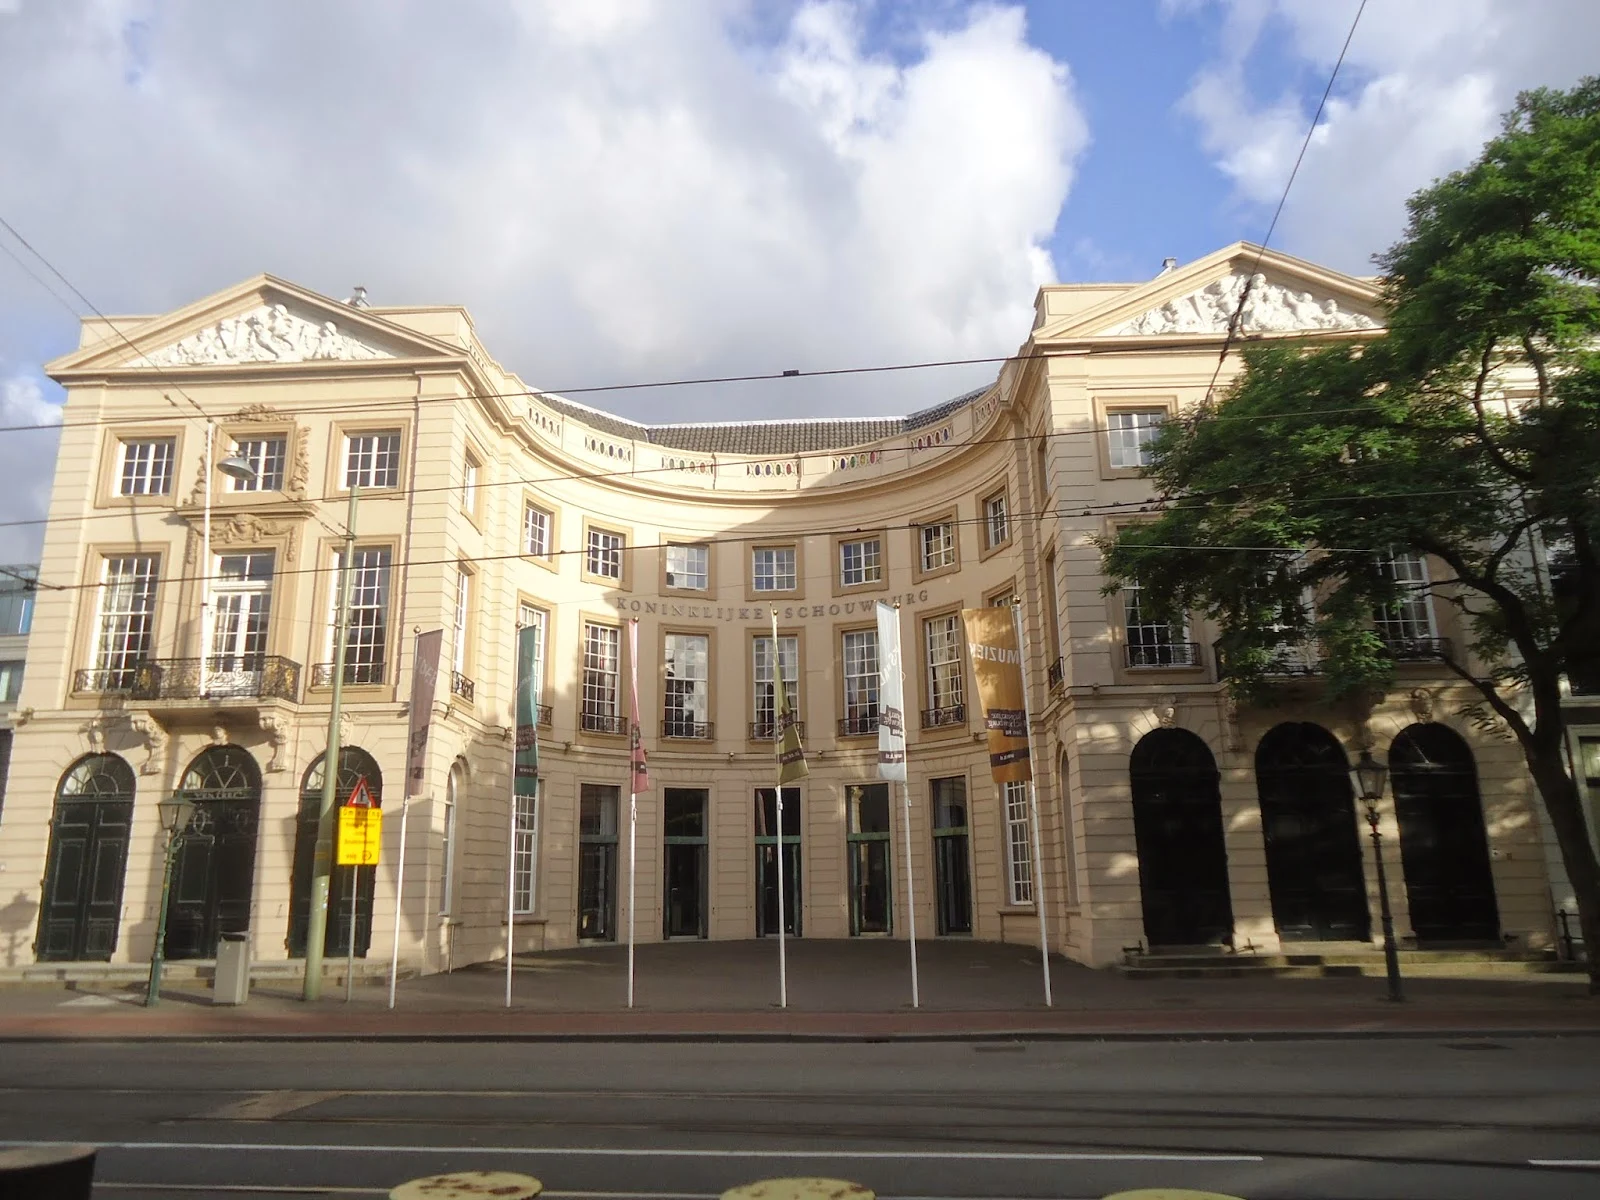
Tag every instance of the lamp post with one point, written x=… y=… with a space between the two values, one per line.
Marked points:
x=175 y=812
x=235 y=466
x=1369 y=776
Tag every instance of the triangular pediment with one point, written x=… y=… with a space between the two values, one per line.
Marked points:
x=1282 y=295
x=263 y=321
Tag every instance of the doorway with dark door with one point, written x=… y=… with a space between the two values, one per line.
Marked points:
x=1308 y=820
x=349 y=912
x=769 y=845
x=1444 y=845
x=1177 y=830
x=213 y=867
x=868 y=841
x=81 y=912
x=597 y=862
x=952 y=874
x=684 y=829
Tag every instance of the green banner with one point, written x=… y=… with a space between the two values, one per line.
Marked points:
x=526 y=781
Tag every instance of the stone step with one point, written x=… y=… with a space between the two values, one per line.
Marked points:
x=1339 y=957
x=1367 y=967
x=197 y=970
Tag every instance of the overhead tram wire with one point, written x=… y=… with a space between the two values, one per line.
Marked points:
x=1237 y=320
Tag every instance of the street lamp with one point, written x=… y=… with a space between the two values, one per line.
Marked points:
x=237 y=467
x=1369 y=776
x=175 y=812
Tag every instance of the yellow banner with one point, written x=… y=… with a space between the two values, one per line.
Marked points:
x=997 y=668
x=360 y=835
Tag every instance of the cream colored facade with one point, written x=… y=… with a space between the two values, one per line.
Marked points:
x=475 y=450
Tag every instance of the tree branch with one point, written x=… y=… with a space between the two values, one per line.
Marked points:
x=1485 y=369
x=1489 y=692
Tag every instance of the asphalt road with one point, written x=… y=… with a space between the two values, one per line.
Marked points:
x=1382 y=1118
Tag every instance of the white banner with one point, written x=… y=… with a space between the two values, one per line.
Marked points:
x=891 y=701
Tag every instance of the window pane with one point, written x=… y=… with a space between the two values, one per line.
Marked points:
x=688 y=567
x=535 y=531
x=597 y=811
x=996 y=520
x=1019 y=844
x=1410 y=618
x=949 y=802
x=127 y=617
x=601 y=646
x=524 y=855
x=684 y=812
x=943 y=647
x=766 y=714
x=369 y=614
x=938 y=546
x=372 y=460
x=767 y=812
x=604 y=555
x=1129 y=434
x=147 y=468
x=860 y=562
x=267 y=456
x=869 y=807
x=774 y=569
x=861 y=678
x=686 y=701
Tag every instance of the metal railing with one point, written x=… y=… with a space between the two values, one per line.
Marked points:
x=545 y=717
x=687 y=727
x=354 y=673
x=1429 y=649
x=226 y=677
x=461 y=686
x=767 y=731
x=1163 y=654
x=1296 y=660
x=600 y=722
x=859 y=725
x=939 y=718
x=1056 y=674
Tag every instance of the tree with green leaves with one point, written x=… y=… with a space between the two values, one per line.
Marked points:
x=1467 y=430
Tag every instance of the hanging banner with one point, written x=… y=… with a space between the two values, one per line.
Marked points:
x=791 y=755
x=525 y=770
x=997 y=669
x=891 y=702
x=424 y=675
x=639 y=759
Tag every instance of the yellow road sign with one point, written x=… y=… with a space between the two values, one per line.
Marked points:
x=360 y=834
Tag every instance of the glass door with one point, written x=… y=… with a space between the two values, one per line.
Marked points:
x=952 y=877
x=767 y=848
x=871 y=890
x=597 y=863
x=685 y=862
x=241 y=603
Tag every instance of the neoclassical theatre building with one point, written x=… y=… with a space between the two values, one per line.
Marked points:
x=1170 y=816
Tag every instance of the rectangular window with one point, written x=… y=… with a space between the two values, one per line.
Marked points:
x=10 y=681
x=938 y=542
x=458 y=660
x=1129 y=434
x=766 y=715
x=369 y=614
x=126 y=627
x=603 y=558
x=687 y=699
x=689 y=567
x=524 y=855
x=535 y=531
x=1019 y=844
x=469 y=487
x=529 y=617
x=601 y=665
x=773 y=569
x=1152 y=643
x=860 y=562
x=267 y=455
x=941 y=641
x=372 y=460
x=447 y=858
x=146 y=468
x=17 y=588
x=996 y=521
x=241 y=607
x=860 y=682
x=1409 y=619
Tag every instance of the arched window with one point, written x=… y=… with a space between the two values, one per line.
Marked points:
x=97 y=777
x=81 y=906
x=1177 y=825
x=221 y=772
x=349 y=911
x=213 y=867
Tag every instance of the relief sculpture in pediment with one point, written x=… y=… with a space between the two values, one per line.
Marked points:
x=1268 y=308
x=270 y=333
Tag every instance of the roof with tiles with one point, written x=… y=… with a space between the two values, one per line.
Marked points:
x=763 y=437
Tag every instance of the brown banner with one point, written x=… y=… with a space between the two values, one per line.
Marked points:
x=997 y=668
x=424 y=674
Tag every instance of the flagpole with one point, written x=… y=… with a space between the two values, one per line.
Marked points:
x=779 y=701
x=637 y=776
x=399 y=895
x=633 y=845
x=905 y=796
x=511 y=871
x=1033 y=804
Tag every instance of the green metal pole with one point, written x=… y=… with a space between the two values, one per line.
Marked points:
x=322 y=863
x=152 y=994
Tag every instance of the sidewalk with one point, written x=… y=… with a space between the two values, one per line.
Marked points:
x=839 y=990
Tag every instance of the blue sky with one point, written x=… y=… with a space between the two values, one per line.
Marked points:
x=627 y=190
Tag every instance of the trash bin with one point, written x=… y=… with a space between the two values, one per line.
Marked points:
x=232 y=982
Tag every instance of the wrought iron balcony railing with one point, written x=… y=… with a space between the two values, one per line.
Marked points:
x=225 y=677
x=687 y=727
x=461 y=686
x=1295 y=660
x=1429 y=649
x=859 y=724
x=602 y=722
x=354 y=673
x=544 y=716
x=1163 y=654
x=940 y=718
x=1055 y=674
x=766 y=731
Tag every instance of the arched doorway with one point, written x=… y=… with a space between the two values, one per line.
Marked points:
x=1308 y=818
x=1443 y=843
x=215 y=862
x=82 y=902
x=354 y=764
x=1177 y=826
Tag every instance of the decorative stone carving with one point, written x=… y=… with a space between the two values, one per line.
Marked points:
x=270 y=333
x=219 y=734
x=245 y=529
x=277 y=737
x=1271 y=308
x=1229 y=704
x=149 y=729
x=300 y=472
x=252 y=413
x=1422 y=704
x=345 y=721
x=197 y=494
x=94 y=733
x=1166 y=710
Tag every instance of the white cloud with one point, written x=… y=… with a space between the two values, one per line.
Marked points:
x=1421 y=90
x=26 y=458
